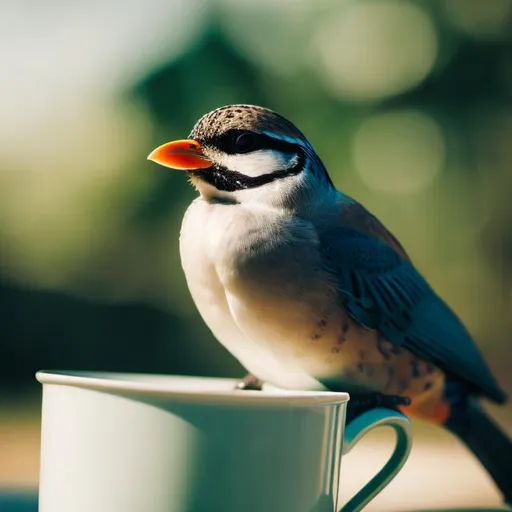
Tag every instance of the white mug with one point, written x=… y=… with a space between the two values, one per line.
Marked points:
x=146 y=443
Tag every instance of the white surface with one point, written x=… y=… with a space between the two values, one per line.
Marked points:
x=181 y=388
x=160 y=444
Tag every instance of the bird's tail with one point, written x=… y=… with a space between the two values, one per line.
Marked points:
x=488 y=442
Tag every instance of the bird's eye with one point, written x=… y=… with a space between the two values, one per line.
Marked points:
x=245 y=142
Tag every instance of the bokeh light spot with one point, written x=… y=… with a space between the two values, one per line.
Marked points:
x=373 y=50
x=399 y=152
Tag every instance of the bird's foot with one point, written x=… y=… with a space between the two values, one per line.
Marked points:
x=363 y=402
x=250 y=383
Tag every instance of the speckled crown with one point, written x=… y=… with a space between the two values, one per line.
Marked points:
x=244 y=117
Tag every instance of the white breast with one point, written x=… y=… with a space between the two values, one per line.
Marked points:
x=213 y=237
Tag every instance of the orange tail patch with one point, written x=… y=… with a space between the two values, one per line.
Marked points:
x=437 y=412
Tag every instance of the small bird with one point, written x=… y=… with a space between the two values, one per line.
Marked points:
x=308 y=290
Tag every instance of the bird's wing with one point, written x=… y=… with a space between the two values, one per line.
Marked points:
x=355 y=216
x=379 y=287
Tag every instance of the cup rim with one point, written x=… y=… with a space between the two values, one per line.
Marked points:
x=221 y=391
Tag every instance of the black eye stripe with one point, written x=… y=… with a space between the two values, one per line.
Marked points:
x=227 y=142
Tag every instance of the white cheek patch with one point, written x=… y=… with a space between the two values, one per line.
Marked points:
x=258 y=163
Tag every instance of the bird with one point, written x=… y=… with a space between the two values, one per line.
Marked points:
x=310 y=291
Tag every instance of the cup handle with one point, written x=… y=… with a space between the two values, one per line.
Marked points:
x=357 y=429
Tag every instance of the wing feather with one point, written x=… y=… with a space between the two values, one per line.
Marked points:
x=380 y=288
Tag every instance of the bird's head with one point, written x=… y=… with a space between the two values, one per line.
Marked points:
x=246 y=153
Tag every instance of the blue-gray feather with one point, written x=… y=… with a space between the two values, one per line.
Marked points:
x=379 y=287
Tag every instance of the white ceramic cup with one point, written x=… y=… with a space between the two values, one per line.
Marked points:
x=147 y=443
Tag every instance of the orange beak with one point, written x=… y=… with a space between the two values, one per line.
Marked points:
x=180 y=154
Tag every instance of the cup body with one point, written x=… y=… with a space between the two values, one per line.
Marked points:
x=138 y=443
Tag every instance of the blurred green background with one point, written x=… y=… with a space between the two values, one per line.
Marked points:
x=407 y=102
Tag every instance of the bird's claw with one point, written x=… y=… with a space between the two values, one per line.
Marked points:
x=250 y=383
